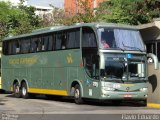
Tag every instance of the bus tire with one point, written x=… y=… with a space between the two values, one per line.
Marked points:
x=2 y=91
x=77 y=94
x=144 y=103
x=24 y=91
x=16 y=90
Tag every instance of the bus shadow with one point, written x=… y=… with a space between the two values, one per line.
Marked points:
x=2 y=101
x=86 y=102
x=94 y=103
x=57 y=98
x=112 y=104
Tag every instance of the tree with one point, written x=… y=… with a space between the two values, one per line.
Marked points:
x=33 y=19
x=17 y=20
x=132 y=12
x=54 y=18
x=4 y=19
x=85 y=12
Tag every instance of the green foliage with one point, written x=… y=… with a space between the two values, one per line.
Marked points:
x=16 y=20
x=87 y=13
x=4 y=19
x=56 y=18
x=132 y=12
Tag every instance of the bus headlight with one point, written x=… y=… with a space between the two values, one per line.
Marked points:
x=143 y=89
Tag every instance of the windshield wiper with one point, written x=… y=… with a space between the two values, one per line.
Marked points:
x=132 y=47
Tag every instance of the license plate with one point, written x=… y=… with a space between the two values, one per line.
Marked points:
x=127 y=96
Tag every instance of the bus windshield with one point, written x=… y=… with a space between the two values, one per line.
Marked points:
x=125 y=39
x=120 y=68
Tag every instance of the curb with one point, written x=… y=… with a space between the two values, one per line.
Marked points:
x=153 y=105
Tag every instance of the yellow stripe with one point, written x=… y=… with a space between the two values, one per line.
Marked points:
x=11 y=88
x=0 y=86
x=153 y=105
x=48 y=91
x=127 y=84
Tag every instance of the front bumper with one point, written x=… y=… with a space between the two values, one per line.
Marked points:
x=113 y=95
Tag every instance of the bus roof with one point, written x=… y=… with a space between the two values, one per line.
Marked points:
x=77 y=25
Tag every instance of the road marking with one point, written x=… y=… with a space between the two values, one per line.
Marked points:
x=153 y=105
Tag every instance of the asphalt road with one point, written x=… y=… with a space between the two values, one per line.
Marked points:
x=41 y=108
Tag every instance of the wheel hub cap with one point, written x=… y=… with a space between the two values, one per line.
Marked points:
x=76 y=93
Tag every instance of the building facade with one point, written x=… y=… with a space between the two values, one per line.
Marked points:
x=73 y=7
x=151 y=35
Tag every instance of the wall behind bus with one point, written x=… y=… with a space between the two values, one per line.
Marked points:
x=151 y=33
x=154 y=84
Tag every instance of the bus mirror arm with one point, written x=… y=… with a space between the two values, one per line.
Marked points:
x=155 y=59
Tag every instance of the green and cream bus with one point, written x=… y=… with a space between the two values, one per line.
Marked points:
x=73 y=61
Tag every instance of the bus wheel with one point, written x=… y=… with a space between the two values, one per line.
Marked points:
x=144 y=103
x=24 y=91
x=2 y=91
x=77 y=95
x=16 y=90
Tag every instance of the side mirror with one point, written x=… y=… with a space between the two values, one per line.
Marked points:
x=153 y=59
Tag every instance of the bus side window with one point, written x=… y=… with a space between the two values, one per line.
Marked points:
x=58 y=41
x=39 y=44
x=50 y=43
x=44 y=42
x=64 y=41
x=25 y=46
x=89 y=39
x=9 y=47
x=17 y=47
x=77 y=39
x=14 y=46
x=74 y=39
x=89 y=53
x=88 y=65
x=34 y=45
x=5 y=48
x=54 y=41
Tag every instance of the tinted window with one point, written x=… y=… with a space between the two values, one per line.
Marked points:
x=88 y=38
x=58 y=41
x=25 y=46
x=34 y=44
x=151 y=48
x=68 y=39
x=50 y=43
x=73 y=39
